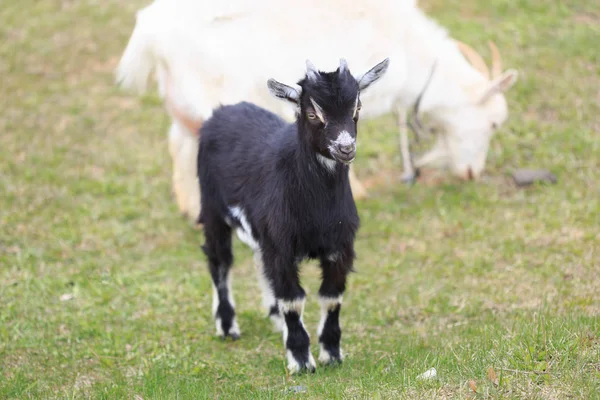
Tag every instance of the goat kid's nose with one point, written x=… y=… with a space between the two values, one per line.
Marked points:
x=347 y=149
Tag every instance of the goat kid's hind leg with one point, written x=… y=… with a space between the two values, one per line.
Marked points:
x=335 y=268
x=220 y=258
x=283 y=276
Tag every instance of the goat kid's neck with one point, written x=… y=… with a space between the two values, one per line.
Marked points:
x=312 y=166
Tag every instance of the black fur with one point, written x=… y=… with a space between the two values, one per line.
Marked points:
x=296 y=207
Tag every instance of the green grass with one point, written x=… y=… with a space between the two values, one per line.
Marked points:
x=459 y=276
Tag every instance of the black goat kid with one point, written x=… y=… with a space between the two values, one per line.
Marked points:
x=284 y=188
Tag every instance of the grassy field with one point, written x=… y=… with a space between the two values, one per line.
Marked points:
x=104 y=292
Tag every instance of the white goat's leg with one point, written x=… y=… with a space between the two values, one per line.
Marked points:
x=409 y=173
x=184 y=151
x=437 y=157
x=174 y=148
x=358 y=190
x=269 y=301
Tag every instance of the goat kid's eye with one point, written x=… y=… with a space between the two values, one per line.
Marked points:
x=311 y=115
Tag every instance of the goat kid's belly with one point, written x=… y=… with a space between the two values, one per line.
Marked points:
x=313 y=240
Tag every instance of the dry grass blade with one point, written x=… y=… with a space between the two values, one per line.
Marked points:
x=473 y=386
x=492 y=376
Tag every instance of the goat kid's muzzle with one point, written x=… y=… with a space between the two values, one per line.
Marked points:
x=344 y=153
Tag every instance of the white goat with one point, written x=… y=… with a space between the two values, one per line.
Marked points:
x=206 y=53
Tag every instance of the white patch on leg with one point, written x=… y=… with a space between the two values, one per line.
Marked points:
x=294 y=366
x=296 y=305
x=328 y=163
x=219 y=327
x=327 y=304
x=215 y=306
x=325 y=357
x=235 y=328
x=215 y=303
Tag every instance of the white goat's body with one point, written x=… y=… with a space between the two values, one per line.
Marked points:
x=218 y=53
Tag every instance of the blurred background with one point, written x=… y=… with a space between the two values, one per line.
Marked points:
x=104 y=291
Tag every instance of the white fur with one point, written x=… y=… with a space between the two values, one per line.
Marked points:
x=328 y=163
x=267 y=291
x=224 y=52
x=344 y=139
x=296 y=305
x=183 y=148
x=327 y=304
x=293 y=365
x=235 y=329
x=318 y=110
x=244 y=232
x=324 y=356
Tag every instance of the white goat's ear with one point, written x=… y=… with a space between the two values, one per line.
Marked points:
x=499 y=85
x=365 y=80
x=283 y=91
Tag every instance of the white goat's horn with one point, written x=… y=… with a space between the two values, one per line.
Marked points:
x=343 y=65
x=474 y=58
x=496 y=60
x=311 y=71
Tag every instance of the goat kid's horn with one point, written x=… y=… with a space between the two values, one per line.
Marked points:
x=343 y=65
x=496 y=60
x=311 y=71
x=474 y=58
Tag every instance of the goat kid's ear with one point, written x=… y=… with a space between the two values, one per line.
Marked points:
x=499 y=85
x=365 y=80
x=283 y=91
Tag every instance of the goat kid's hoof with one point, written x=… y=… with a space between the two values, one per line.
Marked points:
x=329 y=359
x=233 y=332
x=297 y=366
x=233 y=336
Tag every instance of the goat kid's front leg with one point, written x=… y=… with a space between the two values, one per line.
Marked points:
x=291 y=298
x=336 y=267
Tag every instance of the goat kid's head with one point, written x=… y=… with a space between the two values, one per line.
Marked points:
x=328 y=108
x=470 y=126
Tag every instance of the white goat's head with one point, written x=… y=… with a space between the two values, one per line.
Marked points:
x=469 y=127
